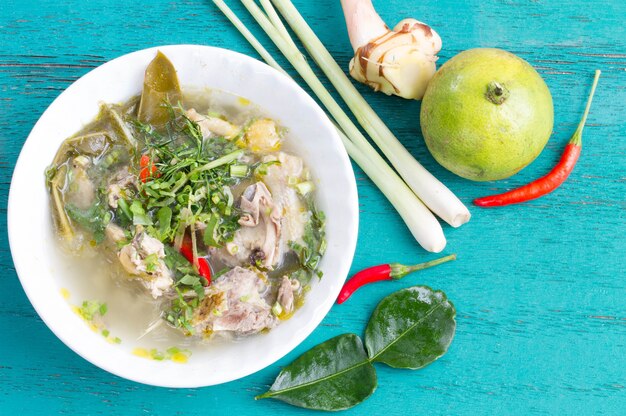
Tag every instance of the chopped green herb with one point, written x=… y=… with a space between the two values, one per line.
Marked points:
x=92 y=312
x=310 y=253
x=181 y=312
x=91 y=308
x=140 y=217
x=164 y=217
x=174 y=354
x=124 y=209
x=172 y=350
x=152 y=262
x=189 y=280
x=156 y=355
x=210 y=232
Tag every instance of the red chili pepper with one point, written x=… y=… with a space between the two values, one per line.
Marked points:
x=557 y=175
x=148 y=170
x=144 y=174
x=391 y=271
x=144 y=161
x=186 y=250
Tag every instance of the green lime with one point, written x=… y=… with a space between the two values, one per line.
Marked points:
x=486 y=114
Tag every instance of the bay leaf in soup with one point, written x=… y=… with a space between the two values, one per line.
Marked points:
x=334 y=375
x=160 y=85
x=411 y=328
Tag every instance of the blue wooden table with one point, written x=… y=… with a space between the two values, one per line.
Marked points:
x=540 y=288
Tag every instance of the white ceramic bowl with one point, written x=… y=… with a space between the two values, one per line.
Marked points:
x=31 y=235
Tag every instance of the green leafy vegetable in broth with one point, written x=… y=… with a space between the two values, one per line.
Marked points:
x=170 y=191
x=310 y=253
x=160 y=85
x=94 y=219
x=410 y=328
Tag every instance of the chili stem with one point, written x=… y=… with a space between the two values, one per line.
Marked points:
x=578 y=134
x=398 y=271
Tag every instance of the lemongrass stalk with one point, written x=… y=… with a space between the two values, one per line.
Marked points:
x=278 y=24
x=252 y=40
x=430 y=190
x=420 y=221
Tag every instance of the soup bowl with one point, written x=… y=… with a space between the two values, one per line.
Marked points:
x=42 y=272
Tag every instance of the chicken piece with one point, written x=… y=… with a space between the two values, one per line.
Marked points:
x=114 y=233
x=212 y=126
x=133 y=255
x=122 y=185
x=295 y=215
x=257 y=242
x=82 y=191
x=286 y=293
x=260 y=224
x=234 y=303
x=262 y=136
x=144 y=257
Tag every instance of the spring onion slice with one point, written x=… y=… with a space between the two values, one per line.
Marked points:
x=305 y=188
x=420 y=221
x=430 y=190
x=239 y=171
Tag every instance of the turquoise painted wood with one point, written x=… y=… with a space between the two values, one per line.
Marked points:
x=540 y=288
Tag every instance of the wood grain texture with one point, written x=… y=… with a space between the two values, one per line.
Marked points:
x=539 y=288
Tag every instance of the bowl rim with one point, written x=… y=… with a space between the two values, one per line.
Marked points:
x=351 y=230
